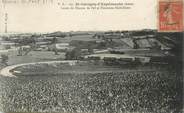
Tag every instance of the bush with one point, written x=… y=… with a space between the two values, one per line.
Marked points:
x=4 y=59
x=74 y=54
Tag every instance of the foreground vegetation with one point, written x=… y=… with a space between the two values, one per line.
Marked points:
x=105 y=92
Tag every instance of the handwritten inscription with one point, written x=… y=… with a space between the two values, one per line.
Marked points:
x=27 y=1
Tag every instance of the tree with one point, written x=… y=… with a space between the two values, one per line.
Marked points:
x=73 y=55
x=4 y=59
x=90 y=49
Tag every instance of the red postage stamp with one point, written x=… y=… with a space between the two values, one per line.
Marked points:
x=170 y=16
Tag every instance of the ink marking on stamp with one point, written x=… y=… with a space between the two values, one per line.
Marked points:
x=171 y=16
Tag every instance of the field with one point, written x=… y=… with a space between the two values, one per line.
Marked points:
x=51 y=69
x=33 y=56
x=141 y=88
x=101 y=92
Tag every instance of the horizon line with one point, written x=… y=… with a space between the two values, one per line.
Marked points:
x=10 y=32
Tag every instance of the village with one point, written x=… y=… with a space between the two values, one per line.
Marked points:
x=123 y=46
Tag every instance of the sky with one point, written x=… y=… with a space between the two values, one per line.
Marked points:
x=32 y=17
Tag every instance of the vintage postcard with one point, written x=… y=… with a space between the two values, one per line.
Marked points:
x=91 y=56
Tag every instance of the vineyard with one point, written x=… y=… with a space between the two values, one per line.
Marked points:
x=101 y=92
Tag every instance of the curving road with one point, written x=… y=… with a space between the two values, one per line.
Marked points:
x=6 y=71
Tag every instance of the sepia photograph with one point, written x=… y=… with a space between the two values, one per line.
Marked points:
x=92 y=72
x=91 y=57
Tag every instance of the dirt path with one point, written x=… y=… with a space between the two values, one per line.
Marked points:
x=6 y=71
